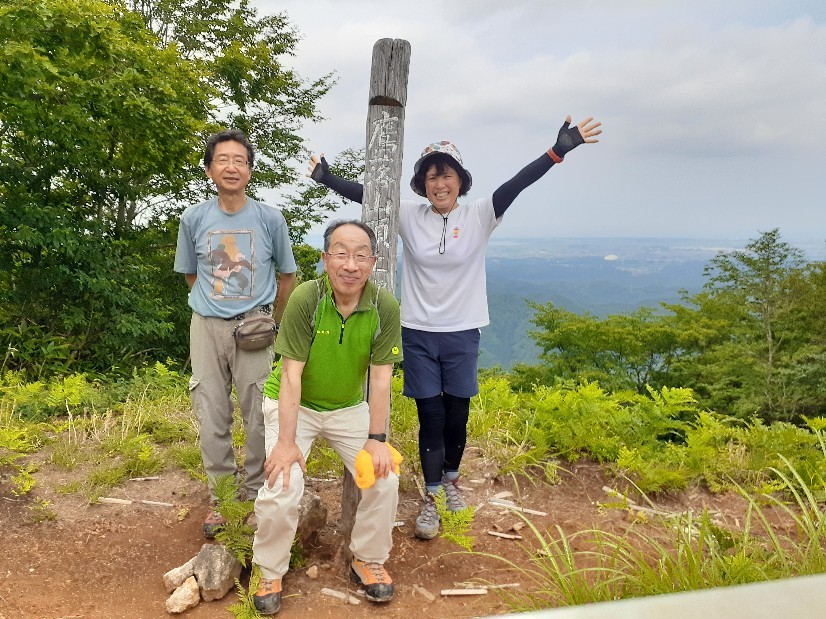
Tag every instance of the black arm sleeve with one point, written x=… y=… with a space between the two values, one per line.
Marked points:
x=506 y=194
x=349 y=189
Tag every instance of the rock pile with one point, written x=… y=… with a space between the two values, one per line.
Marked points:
x=213 y=571
x=208 y=576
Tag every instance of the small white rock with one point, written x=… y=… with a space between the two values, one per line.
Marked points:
x=175 y=577
x=185 y=597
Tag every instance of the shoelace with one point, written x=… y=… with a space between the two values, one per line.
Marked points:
x=454 y=497
x=215 y=516
x=429 y=514
x=377 y=571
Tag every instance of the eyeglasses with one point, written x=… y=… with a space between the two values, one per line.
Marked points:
x=360 y=259
x=224 y=162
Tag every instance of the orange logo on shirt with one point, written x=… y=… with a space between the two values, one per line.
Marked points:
x=456 y=232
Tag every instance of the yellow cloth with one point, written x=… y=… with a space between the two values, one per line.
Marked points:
x=365 y=475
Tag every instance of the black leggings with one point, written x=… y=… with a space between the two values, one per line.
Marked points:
x=442 y=434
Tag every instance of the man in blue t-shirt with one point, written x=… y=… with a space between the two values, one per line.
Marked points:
x=236 y=256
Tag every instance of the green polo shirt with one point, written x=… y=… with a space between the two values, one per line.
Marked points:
x=337 y=352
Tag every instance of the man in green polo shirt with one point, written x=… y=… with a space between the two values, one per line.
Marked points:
x=334 y=329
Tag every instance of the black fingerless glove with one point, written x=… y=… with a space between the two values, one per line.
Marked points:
x=320 y=171
x=567 y=140
x=349 y=189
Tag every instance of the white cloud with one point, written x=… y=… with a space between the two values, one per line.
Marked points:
x=712 y=111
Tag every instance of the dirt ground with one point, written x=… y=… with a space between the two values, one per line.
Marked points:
x=108 y=560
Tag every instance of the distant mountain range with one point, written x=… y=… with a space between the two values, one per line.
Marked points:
x=599 y=275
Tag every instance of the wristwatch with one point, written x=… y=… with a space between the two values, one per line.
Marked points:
x=381 y=438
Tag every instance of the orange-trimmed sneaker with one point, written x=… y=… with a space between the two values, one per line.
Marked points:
x=267 y=598
x=214 y=522
x=378 y=586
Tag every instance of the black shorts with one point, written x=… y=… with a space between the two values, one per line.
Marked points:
x=440 y=362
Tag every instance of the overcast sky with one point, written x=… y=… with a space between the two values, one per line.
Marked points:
x=714 y=113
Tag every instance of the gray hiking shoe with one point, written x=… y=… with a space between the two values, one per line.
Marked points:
x=455 y=502
x=427 y=523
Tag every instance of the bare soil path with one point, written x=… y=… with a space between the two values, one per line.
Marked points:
x=107 y=561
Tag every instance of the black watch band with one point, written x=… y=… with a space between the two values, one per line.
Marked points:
x=378 y=437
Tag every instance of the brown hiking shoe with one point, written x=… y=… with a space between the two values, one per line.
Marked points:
x=378 y=586
x=267 y=598
x=214 y=522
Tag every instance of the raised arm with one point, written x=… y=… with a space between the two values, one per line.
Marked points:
x=568 y=139
x=319 y=171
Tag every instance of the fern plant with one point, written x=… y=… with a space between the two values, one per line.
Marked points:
x=245 y=608
x=22 y=482
x=236 y=534
x=455 y=525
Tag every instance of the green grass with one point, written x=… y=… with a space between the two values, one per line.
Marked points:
x=689 y=553
x=101 y=479
x=66 y=454
x=659 y=442
x=186 y=456
x=323 y=461
x=41 y=511
x=70 y=488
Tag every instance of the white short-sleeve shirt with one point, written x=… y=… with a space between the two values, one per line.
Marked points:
x=445 y=291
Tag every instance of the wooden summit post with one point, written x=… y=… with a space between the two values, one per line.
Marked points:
x=383 y=156
x=380 y=203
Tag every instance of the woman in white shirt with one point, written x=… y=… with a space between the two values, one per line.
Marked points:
x=444 y=296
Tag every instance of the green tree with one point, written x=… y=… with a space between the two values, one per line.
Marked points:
x=240 y=57
x=93 y=115
x=803 y=371
x=93 y=112
x=310 y=205
x=102 y=125
x=717 y=368
x=629 y=351
x=752 y=343
x=754 y=288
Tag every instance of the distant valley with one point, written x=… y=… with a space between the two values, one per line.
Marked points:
x=599 y=275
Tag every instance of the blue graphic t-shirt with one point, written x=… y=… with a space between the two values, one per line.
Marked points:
x=235 y=256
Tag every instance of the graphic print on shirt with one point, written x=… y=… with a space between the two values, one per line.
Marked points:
x=456 y=232
x=231 y=256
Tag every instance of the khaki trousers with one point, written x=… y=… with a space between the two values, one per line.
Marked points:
x=277 y=509
x=217 y=363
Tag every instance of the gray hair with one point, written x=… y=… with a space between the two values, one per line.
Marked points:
x=335 y=225
x=225 y=136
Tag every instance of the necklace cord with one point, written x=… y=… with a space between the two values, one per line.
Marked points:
x=443 y=242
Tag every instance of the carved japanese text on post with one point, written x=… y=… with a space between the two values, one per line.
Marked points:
x=381 y=190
